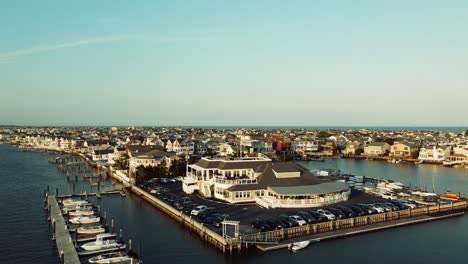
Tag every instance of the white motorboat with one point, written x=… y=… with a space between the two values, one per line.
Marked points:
x=73 y=202
x=85 y=220
x=114 y=257
x=103 y=243
x=90 y=230
x=298 y=245
x=81 y=212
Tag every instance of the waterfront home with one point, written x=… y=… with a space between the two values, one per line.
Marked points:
x=102 y=154
x=456 y=159
x=376 y=149
x=261 y=146
x=304 y=146
x=404 y=149
x=353 y=148
x=147 y=156
x=260 y=180
x=328 y=148
x=434 y=153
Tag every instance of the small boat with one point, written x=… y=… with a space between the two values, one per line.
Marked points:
x=73 y=202
x=81 y=212
x=103 y=243
x=123 y=193
x=85 y=220
x=451 y=196
x=98 y=195
x=419 y=162
x=90 y=230
x=298 y=245
x=113 y=257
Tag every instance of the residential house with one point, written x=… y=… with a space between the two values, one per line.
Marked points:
x=376 y=149
x=404 y=149
x=353 y=148
x=434 y=153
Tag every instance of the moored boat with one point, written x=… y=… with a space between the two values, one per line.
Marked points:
x=81 y=212
x=113 y=257
x=85 y=220
x=298 y=245
x=451 y=196
x=103 y=243
x=90 y=230
x=73 y=202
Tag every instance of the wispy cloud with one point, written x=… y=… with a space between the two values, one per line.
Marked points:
x=8 y=56
x=12 y=55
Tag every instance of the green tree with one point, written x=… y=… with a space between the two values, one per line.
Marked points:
x=178 y=167
x=122 y=162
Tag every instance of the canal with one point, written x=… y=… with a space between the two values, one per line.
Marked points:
x=26 y=234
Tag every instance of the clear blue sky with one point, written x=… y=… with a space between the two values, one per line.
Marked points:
x=234 y=62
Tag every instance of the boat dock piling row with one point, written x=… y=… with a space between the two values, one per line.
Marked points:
x=68 y=247
x=65 y=245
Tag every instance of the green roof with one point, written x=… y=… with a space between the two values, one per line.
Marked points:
x=317 y=189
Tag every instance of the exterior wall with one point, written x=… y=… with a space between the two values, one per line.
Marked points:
x=402 y=150
x=434 y=154
x=376 y=150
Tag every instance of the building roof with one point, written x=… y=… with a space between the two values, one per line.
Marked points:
x=268 y=178
x=377 y=144
x=231 y=164
x=317 y=189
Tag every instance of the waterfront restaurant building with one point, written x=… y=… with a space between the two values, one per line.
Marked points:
x=260 y=180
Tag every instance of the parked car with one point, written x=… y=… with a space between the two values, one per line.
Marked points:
x=358 y=210
x=408 y=203
x=384 y=206
x=288 y=221
x=198 y=209
x=261 y=225
x=319 y=217
x=394 y=207
x=347 y=211
x=400 y=205
x=306 y=216
x=338 y=213
x=367 y=208
x=276 y=224
x=389 y=196
x=206 y=213
x=300 y=221
x=379 y=209
x=214 y=220
x=327 y=214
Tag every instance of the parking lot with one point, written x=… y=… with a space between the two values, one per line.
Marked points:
x=246 y=214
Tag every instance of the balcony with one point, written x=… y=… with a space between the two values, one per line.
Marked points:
x=239 y=181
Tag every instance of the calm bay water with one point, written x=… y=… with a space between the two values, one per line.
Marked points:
x=25 y=233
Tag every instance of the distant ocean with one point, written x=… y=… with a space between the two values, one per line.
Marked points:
x=390 y=128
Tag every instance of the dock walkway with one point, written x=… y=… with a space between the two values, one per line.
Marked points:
x=358 y=230
x=62 y=237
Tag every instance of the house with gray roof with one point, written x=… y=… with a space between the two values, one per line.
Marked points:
x=260 y=180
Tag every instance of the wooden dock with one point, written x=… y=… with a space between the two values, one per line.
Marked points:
x=65 y=246
x=358 y=230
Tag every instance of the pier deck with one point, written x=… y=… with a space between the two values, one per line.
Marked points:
x=358 y=230
x=64 y=242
